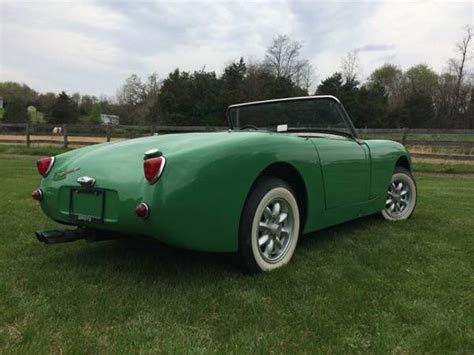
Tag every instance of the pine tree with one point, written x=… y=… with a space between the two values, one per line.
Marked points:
x=64 y=110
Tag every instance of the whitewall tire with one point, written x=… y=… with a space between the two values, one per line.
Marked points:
x=270 y=226
x=401 y=196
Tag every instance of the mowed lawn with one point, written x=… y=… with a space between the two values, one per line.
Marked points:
x=367 y=285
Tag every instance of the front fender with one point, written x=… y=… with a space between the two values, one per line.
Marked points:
x=384 y=156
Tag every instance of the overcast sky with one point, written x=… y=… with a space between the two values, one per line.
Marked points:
x=92 y=46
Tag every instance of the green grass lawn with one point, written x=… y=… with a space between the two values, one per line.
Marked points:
x=39 y=151
x=443 y=167
x=365 y=286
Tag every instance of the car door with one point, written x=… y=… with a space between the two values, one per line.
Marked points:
x=345 y=169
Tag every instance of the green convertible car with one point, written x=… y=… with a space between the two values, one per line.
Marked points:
x=284 y=168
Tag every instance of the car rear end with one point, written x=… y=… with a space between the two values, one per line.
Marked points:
x=108 y=188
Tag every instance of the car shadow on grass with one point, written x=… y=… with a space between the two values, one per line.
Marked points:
x=338 y=232
x=147 y=256
x=143 y=256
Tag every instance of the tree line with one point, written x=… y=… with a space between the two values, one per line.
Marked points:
x=389 y=97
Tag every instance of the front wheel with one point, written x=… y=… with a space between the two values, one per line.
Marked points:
x=269 y=226
x=401 y=196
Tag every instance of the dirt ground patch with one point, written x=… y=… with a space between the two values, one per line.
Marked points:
x=443 y=161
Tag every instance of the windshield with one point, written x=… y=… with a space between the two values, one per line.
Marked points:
x=310 y=114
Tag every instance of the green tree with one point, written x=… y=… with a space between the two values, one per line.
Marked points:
x=15 y=111
x=420 y=79
x=417 y=110
x=332 y=85
x=347 y=92
x=258 y=83
x=389 y=77
x=86 y=105
x=232 y=84
x=93 y=116
x=10 y=90
x=191 y=99
x=64 y=110
x=175 y=98
x=373 y=107
x=420 y=86
x=46 y=103
x=205 y=95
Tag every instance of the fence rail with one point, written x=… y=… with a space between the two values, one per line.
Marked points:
x=80 y=135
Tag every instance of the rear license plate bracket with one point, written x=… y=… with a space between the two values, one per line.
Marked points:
x=87 y=205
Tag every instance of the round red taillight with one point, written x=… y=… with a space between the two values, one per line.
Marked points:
x=142 y=210
x=153 y=168
x=44 y=165
x=37 y=195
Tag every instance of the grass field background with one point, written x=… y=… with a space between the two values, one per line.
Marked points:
x=365 y=286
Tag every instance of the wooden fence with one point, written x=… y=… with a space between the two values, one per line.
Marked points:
x=458 y=143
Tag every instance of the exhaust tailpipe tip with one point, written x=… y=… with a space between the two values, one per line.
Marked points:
x=68 y=235
x=40 y=236
x=59 y=236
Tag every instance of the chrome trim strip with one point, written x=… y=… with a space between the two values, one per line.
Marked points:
x=158 y=174
x=152 y=153
x=286 y=99
x=53 y=159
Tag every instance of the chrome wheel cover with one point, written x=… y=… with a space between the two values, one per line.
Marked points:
x=399 y=198
x=275 y=230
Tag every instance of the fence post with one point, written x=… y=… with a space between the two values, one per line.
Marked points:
x=405 y=134
x=27 y=134
x=108 y=132
x=65 y=136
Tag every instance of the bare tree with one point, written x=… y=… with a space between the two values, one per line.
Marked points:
x=457 y=68
x=305 y=77
x=283 y=59
x=131 y=92
x=134 y=91
x=350 y=67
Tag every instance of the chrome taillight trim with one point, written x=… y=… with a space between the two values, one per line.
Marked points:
x=53 y=159
x=152 y=153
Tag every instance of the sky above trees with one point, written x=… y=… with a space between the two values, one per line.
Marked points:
x=92 y=46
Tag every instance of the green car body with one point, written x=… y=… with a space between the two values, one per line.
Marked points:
x=197 y=202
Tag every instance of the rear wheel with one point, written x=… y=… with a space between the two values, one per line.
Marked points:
x=269 y=227
x=401 y=196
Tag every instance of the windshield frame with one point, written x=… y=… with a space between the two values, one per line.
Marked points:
x=340 y=109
